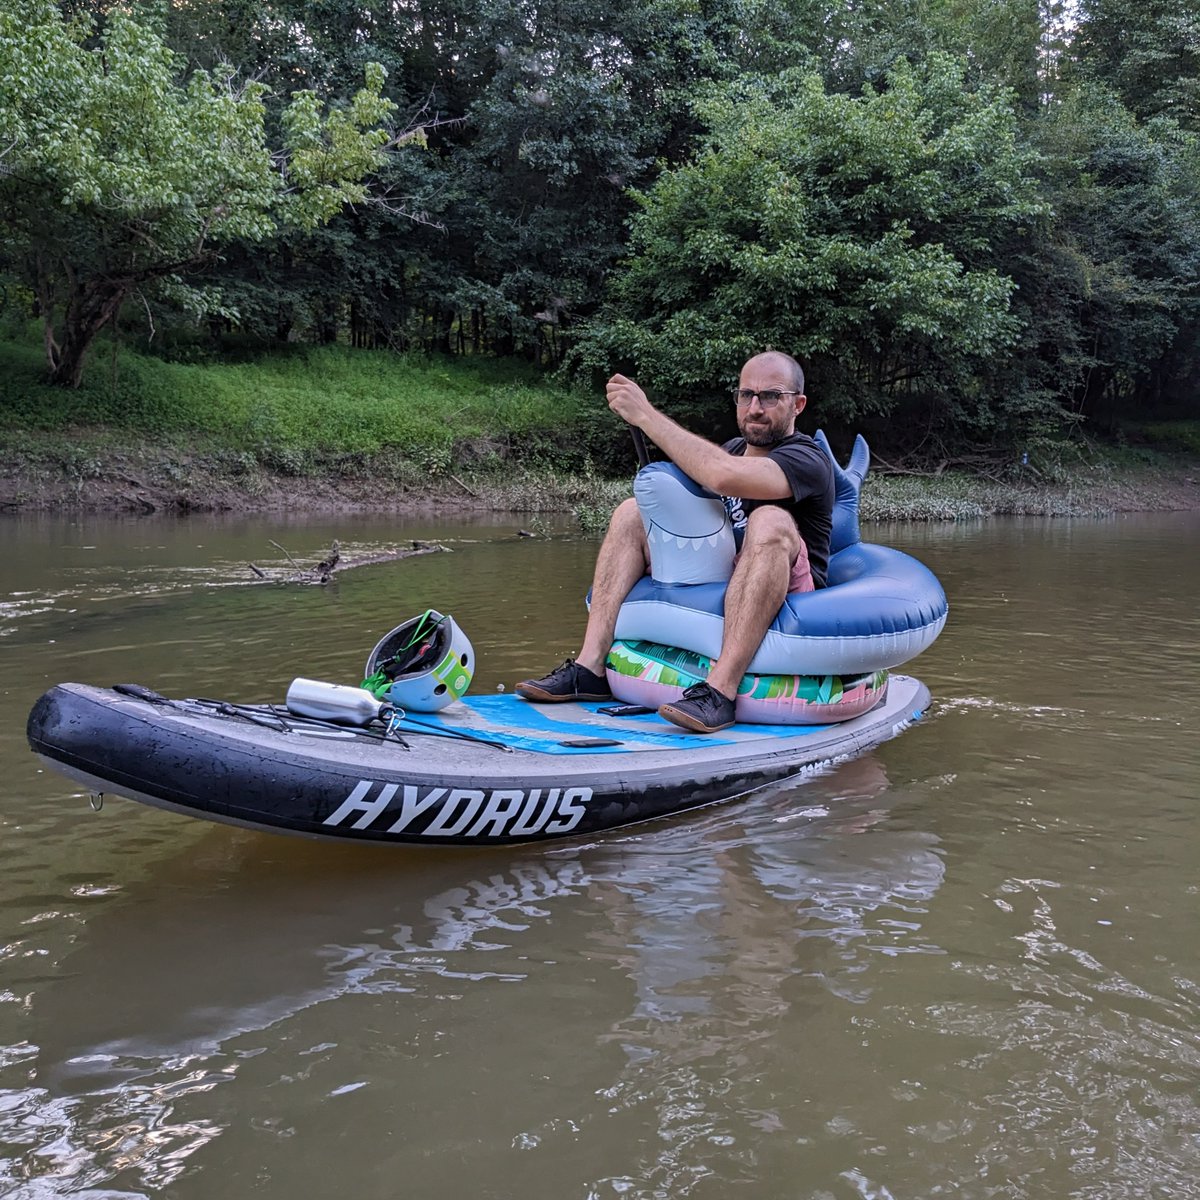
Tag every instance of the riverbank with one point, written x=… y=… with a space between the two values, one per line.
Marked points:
x=326 y=429
x=98 y=472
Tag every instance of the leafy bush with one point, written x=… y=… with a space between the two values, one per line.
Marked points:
x=865 y=234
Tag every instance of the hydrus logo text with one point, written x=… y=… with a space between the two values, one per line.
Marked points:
x=463 y=812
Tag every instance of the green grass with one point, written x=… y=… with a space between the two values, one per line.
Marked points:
x=301 y=406
x=1172 y=435
x=372 y=423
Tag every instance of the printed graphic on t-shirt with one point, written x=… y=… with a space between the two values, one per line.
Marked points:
x=737 y=517
x=810 y=504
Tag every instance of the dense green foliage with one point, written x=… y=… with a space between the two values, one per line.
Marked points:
x=118 y=172
x=978 y=223
x=864 y=233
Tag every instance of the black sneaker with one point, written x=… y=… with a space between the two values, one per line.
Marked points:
x=702 y=709
x=569 y=681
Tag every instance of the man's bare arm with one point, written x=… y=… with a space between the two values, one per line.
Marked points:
x=749 y=477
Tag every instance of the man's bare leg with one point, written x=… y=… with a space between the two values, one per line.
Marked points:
x=623 y=559
x=752 y=600
x=755 y=594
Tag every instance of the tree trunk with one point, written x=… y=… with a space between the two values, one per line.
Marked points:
x=505 y=341
x=329 y=323
x=90 y=307
x=445 y=330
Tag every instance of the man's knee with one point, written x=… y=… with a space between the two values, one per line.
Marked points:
x=626 y=527
x=627 y=518
x=771 y=527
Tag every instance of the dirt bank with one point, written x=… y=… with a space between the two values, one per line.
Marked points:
x=160 y=479
x=167 y=480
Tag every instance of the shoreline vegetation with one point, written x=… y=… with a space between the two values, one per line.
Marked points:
x=332 y=260
x=333 y=430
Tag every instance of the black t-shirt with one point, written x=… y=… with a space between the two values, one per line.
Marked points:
x=811 y=478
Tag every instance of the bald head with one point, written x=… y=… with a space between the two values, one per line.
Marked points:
x=780 y=361
x=771 y=396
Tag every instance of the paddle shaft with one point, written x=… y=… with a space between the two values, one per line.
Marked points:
x=639 y=445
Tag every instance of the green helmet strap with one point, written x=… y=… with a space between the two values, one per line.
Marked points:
x=421 y=649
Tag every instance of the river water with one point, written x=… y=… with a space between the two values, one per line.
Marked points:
x=963 y=965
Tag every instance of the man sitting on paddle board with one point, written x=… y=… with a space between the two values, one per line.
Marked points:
x=778 y=489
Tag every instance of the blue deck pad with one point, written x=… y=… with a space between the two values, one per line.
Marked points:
x=525 y=726
x=524 y=741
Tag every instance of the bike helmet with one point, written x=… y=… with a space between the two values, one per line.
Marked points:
x=422 y=665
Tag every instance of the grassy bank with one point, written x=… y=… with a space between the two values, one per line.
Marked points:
x=291 y=412
x=328 y=428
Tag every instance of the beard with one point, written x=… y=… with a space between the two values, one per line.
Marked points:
x=762 y=433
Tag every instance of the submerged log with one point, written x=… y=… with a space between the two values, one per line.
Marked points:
x=333 y=563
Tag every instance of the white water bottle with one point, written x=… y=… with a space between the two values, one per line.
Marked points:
x=336 y=702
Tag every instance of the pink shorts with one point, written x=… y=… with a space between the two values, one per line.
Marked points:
x=801 y=579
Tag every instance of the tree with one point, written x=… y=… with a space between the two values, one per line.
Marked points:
x=118 y=169
x=1147 y=51
x=562 y=107
x=858 y=232
x=551 y=112
x=1123 y=253
x=997 y=44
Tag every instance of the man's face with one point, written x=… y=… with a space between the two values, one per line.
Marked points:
x=766 y=426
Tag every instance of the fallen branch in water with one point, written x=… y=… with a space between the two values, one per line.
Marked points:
x=333 y=562
x=283 y=550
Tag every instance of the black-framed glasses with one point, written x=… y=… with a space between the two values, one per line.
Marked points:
x=768 y=398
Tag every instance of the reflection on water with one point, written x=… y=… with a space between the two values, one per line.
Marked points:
x=958 y=966
x=153 y=1011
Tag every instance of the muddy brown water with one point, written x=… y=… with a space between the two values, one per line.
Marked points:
x=963 y=965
